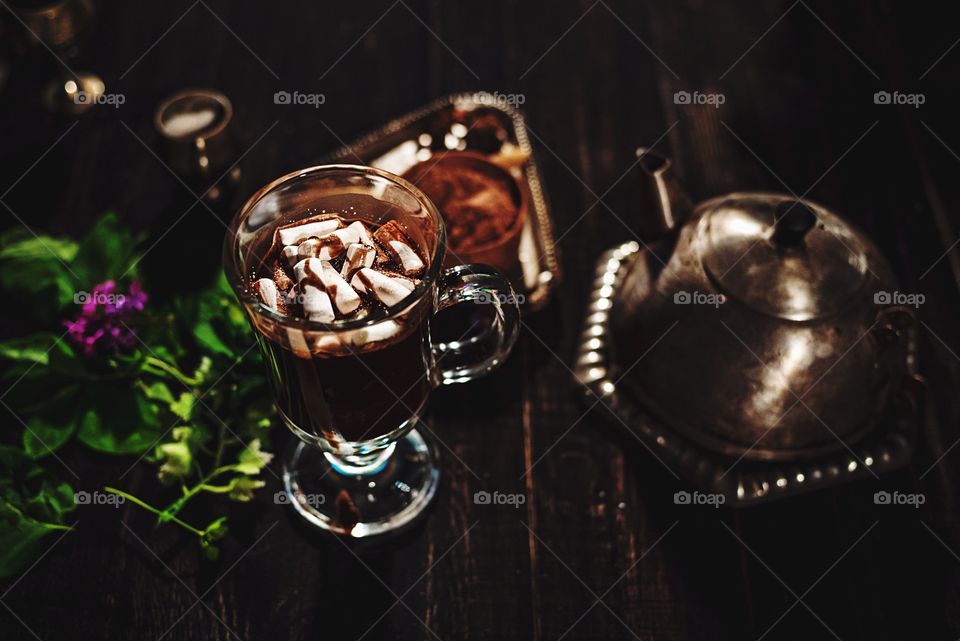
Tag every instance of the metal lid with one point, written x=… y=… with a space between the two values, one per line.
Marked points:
x=787 y=258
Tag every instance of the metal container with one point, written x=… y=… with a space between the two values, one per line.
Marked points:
x=197 y=132
x=758 y=330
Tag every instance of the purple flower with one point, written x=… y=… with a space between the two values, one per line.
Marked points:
x=103 y=325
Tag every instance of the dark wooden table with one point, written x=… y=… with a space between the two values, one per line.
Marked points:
x=599 y=550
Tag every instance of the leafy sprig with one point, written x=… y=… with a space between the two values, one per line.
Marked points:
x=168 y=398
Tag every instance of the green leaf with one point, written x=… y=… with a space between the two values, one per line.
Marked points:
x=51 y=424
x=22 y=245
x=203 y=369
x=47 y=282
x=108 y=250
x=243 y=487
x=55 y=500
x=216 y=530
x=21 y=539
x=177 y=456
x=38 y=266
x=159 y=391
x=120 y=419
x=183 y=406
x=207 y=337
x=177 y=459
x=219 y=322
x=32 y=505
x=34 y=348
x=44 y=438
x=183 y=433
x=251 y=460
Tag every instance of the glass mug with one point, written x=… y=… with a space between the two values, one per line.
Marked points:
x=353 y=390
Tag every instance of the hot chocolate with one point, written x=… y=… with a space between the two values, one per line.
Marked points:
x=345 y=386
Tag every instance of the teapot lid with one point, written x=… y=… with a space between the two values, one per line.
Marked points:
x=781 y=256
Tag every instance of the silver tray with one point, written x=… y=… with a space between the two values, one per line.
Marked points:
x=741 y=482
x=539 y=267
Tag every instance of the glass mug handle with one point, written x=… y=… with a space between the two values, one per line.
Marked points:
x=462 y=361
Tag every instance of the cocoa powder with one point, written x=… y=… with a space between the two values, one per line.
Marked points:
x=479 y=201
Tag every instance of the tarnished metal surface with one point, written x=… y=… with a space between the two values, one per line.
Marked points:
x=702 y=458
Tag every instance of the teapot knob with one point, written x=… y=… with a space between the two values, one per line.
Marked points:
x=793 y=219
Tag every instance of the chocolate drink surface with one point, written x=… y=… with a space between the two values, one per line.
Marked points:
x=345 y=385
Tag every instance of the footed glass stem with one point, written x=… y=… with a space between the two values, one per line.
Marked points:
x=362 y=496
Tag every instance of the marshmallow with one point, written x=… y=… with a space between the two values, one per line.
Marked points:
x=267 y=290
x=407 y=258
x=349 y=234
x=376 y=264
x=306 y=268
x=326 y=247
x=358 y=257
x=355 y=232
x=358 y=338
x=365 y=236
x=327 y=343
x=389 y=290
x=290 y=253
x=373 y=333
x=344 y=297
x=297 y=233
x=308 y=249
x=317 y=305
x=298 y=342
x=398 y=245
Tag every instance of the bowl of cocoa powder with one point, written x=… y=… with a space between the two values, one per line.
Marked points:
x=482 y=205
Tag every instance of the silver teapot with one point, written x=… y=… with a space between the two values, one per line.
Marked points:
x=758 y=325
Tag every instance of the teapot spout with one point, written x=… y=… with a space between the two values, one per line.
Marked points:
x=664 y=205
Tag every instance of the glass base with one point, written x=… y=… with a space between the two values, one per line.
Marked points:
x=362 y=501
